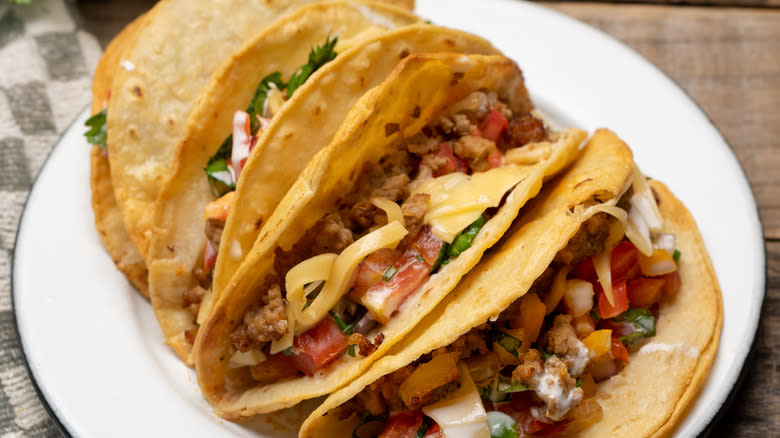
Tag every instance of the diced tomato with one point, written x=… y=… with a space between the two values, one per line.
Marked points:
x=370 y=270
x=402 y=425
x=672 y=283
x=319 y=346
x=624 y=261
x=445 y=151
x=618 y=350
x=645 y=291
x=495 y=159
x=619 y=328
x=607 y=310
x=209 y=258
x=530 y=425
x=434 y=431
x=384 y=298
x=427 y=244
x=494 y=125
x=584 y=270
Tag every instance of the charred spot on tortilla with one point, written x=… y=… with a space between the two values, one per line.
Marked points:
x=449 y=42
x=170 y=121
x=171 y=248
x=137 y=91
x=457 y=76
x=259 y=223
x=416 y=111
x=288 y=136
x=391 y=128
x=317 y=110
x=404 y=54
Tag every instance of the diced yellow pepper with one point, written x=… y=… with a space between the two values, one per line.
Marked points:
x=220 y=207
x=531 y=317
x=439 y=371
x=659 y=263
x=599 y=342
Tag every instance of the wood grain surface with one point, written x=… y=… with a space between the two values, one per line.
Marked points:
x=728 y=60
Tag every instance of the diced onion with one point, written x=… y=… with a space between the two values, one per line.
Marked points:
x=579 y=296
x=667 y=242
x=241 y=141
x=390 y=208
x=337 y=281
x=645 y=206
x=461 y=414
x=246 y=358
x=604 y=273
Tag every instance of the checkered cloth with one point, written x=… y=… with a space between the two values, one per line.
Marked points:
x=46 y=64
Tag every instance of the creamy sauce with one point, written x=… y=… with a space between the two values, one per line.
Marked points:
x=551 y=390
x=578 y=363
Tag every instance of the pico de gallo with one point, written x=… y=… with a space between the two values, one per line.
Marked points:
x=333 y=290
x=533 y=369
x=225 y=166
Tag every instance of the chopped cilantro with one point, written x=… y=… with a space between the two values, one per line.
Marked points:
x=643 y=321
x=287 y=351
x=318 y=57
x=507 y=342
x=351 y=350
x=579 y=382
x=343 y=326
x=257 y=103
x=463 y=240
x=98 y=128
x=220 y=177
x=676 y=256
x=389 y=273
x=445 y=249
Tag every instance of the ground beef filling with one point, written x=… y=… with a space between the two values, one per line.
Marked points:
x=391 y=177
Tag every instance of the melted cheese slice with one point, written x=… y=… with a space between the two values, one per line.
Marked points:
x=458 y=199
x=461 y=414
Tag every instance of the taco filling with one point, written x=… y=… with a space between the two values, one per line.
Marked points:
x=533 y=369
x=413 y=211
x=225 y=166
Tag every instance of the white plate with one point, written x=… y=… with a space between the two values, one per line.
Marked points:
x=100 y=361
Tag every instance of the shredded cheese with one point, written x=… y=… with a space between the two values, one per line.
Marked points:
x=604 y=273
x=390 y=208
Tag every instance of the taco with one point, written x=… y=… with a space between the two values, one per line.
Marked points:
x=241 y=101
x=180 y=47
x=427 y=171
x=108 y=217
x=531 y=344
x=182 y=278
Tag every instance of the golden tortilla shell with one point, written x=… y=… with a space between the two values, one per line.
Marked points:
x=182 y=45
x=178 y=236
x=635 y=402
x=430 y=82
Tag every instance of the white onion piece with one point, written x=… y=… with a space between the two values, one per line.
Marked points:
x=638 y=233
x=644 y=204
x=461 y=414
x=604 y=273
x=667 y=242
x=579 y=296
x=241 y=142
x=246 y=358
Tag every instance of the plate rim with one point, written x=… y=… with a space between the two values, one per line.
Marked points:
x=755 y=322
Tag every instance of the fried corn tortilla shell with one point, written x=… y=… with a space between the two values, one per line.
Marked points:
x=108 y=217
x=363 y=67
x=182 y=45
x=650 y=395
x=179 y=238
x=413 y=95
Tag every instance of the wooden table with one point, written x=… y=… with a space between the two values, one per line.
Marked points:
x=728 y=60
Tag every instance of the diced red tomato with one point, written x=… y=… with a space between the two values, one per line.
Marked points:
x=384 y=298
x=584 y=270
x=494 y=125
x=645 y=291
x=607 y=310
x=402 y=425
x=434 y=431
x=209 y=258
x=453 y=163
x=319 y=346
x=618 y=350
x=427 y=244
x=530 y=425
x=672 y=283
x=370 y=270
x=624 y=261
x=619 y=328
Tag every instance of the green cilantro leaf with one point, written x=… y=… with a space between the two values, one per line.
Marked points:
x=507 y=342
x=643 y=321
x=463 y=240
x=318 y=57
x=98 y=128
